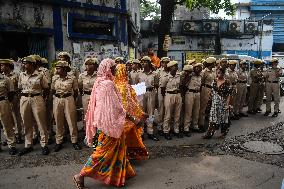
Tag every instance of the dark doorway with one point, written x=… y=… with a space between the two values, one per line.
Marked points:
x=16 y=44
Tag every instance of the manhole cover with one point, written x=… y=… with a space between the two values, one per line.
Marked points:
x=263 y=147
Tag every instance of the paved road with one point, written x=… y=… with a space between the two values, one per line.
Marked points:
x=176 y=164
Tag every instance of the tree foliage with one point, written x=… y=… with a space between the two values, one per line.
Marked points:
x=149 y=10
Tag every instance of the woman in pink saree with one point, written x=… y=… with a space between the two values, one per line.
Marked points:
x=105 y=120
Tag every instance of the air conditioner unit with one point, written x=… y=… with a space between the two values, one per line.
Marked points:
x=210 y=27
x=235 y=26
x=188 y=26
x=251 y=26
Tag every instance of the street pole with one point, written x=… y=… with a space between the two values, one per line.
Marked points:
x=261 y=35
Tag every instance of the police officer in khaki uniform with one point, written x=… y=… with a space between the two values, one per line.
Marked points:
x=241 y=90
x=65 y=90
x=207 y=77
x=255 y=86
x=119 y=60
x=129 y=66
x=6 y=117
x=173 y=101
x=272 y=87
x=7 y=69
x=33 y=86
x=151 y=81
x=135 y=72
x=65 y=56
x=260 y=96
x=192 y=100
x=87 y=80
x=233 y=79
x=161 y=73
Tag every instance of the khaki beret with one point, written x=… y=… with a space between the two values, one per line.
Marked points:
x=188 y=68
x=136 y=61
x=146 y=58
x=36 y=57
x=91 y=61
x=210 y=60
x=218 y=61
x=172 y=63
x=258 y=62
x=166 y=59
x=29 y=59
x=6 y=61
x=224 y=59
x=243 y=62
x=119 y=59
x=233 y=62
x=129 y=62
x=202 y=61
x=189 y=62
x=44 y=61
x=64 y=53
x=276 y=60
x=63 y=64
x=197 y=64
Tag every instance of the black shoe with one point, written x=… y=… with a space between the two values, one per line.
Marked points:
x=266 y=113
x=168 y=136
x=178 y=135
x=207 y=136
x=57 y=147
x=19 y=140
x=153 y=137
x=275 y=114
x=45 y=150
x=161 y=133
x=258 y=110
x=76 y=146
x=12 y=151
x=187 y=134
x=243 y=115
x=25 y=151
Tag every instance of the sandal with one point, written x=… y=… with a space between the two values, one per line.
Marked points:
x=79 y=184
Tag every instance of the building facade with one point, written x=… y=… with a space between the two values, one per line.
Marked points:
x=85 y=28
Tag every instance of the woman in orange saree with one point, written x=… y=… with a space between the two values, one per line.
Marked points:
x=105 y=120
x=135 y=147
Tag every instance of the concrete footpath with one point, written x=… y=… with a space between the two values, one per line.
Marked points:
x=218 y=172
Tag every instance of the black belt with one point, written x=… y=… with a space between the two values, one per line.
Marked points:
x=62 y=95
x=193 y=91
x=30 y=94
x=242 y=81
x=3 y=98
x=87 y=92
x=173 y=92
x=234 y=83
x=208 y=86
x=272 y=82
x=149 y=89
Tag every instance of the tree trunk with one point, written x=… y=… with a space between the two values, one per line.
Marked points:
x=167 y=11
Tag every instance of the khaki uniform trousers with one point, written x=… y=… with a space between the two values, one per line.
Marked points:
x=65 y=108
x=17 y=115
x=240 y=98
x=148 y=104
x=6 y=118
x=34 y=108
x=253 y=97
x=204 y=96
x=85 y=102
x=191 y=110
x=272 y=89
x=173 y=105
x=49 y=114
x=161 y=110
x=260 y=95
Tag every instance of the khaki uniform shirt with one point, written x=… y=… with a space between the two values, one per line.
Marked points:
x=6 y=86
x=150 y=79
x=33 y=83
x=86 y=81
x=256 y=75
x=195 y=82
x=170 y=82
x=69 y=84
x=271 y=74
x=207 y=77
x=14 y=77
x=161 y=75
x=134 y=77
x=45 y=73
x=232 y=76
x=242 y=75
